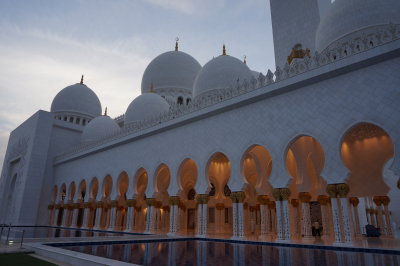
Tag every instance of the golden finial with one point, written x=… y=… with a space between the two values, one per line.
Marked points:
x=176 y=43
x=82 y=79
x=223 y=50
x=105 y=111
x=244 y=59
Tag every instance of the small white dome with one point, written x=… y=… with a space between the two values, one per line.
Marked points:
x=220 y=73
x=348 y=16
x=174 y=69
x=99 y=128
x=77 y=98
x=145 y=107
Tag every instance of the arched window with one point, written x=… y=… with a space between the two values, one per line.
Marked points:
x=188 y=100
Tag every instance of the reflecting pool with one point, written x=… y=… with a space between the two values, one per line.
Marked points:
x=199 y=252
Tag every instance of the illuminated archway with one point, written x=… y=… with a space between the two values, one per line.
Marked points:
x=187 y=175
x=218 y=172
x=163 y=178
x=256 y=167
x=94 y=189
x=365 y=150
x=122 y=187
x=140 y=186
x=106 y=201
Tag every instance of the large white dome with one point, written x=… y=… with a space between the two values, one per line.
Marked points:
x=174 y=69
x=77 y=98
x=348 y=16
x=144 y=107
x=99 y=128
x=220 y=73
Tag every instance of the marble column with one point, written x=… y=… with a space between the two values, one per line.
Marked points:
x=150 y=215
x=296 y=218
x=388 y=224
x=340 y=211
x=326 y=221
x=240 y=196
x=354 y=201
x=75 y=214
x=112 y=216
x=272 y=225
x=234 y=216
x=97 y=217
x=202 y=200
x=173 y=215
x=66 y=214
x=205 y=214
x=129 y=216
x=85 y=217
x=238 y=214
x=306 y=232
x=282 y=213
x=381 y=226
x=265 y=217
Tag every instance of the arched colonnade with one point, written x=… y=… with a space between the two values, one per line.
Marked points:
x=306 y=207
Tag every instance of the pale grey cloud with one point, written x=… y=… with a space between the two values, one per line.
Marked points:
x=45 y=45
x=191 y=7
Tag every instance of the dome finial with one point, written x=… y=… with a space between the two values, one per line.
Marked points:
x=176 y=44
x=244 y=59
x=223 y=50
x=105 y=111
x=82 y=79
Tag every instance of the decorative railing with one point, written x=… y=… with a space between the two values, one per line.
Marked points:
x=348 y=46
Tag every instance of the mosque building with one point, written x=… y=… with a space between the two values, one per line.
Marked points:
x=221 y=149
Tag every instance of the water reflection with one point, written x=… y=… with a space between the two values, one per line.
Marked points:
x=219 y=253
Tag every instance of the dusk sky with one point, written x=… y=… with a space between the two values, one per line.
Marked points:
x=45 y=45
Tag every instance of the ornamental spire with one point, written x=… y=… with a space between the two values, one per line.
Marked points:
x=82 y=79
x=223 y=50
x=176 y=44
x=244 y=59
x=105 y=111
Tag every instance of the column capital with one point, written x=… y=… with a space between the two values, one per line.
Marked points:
x=295 y=203
x=114 y=203
x=323 y=199
x=305 y=197
x=354 y=201
x=131 y=202
x=337 y=190
x=281 y=194
x=240 y=196
x=150 y=201
x=99 y=204
x=174 y=200
x=202 y=198
x=263 y=199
